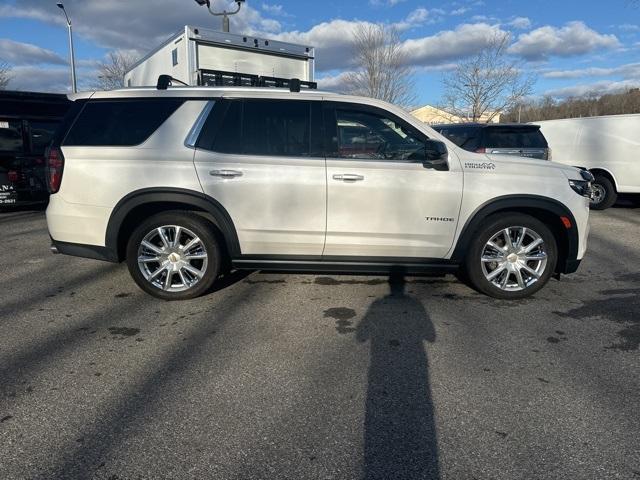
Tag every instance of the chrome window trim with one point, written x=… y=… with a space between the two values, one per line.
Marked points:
x=194 y=133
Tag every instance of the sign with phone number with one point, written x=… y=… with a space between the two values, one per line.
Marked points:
x=8 y=195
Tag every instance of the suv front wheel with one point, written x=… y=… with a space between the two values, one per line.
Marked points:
x=511 y=257
x=174 y=256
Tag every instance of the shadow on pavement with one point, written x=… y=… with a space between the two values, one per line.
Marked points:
x=399 y=432
x=133 y=406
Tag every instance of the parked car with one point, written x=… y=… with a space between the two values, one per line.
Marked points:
x=607 y=146
x=182 y=183
x=518 y=139
x=28 y=121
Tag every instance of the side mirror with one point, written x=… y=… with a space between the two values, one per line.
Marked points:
x=436 y=155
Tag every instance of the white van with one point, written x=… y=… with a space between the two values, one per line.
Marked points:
x=608 y=146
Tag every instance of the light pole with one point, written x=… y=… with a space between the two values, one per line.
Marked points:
x=74 y=86
x=224 y=14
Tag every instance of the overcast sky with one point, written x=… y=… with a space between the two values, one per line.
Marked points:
x=573 y=46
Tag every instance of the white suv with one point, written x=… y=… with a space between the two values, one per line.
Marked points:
x=186 y=183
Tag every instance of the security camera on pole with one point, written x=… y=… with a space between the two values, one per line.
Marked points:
x=224 y=14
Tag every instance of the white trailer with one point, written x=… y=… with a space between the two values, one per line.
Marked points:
x=608 y=146
x=200 y=56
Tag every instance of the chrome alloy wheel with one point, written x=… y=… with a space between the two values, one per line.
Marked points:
x=598 y=193
x=514 y=258
x=172 y=258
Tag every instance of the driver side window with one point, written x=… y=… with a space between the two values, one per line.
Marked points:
x=370 y=136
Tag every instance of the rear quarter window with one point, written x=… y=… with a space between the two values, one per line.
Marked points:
x=41 y=133
x=11 y=136
x=464 y=137
x=514 y=138
x=122 y=123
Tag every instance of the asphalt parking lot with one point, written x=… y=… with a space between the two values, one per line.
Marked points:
x=317 y=376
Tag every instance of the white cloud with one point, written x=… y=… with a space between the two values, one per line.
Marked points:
x=597 y=88
x=39 y=79
x=629 y=70
x=273 y=9
x=333 y=42
x=334 y=83
x=459 y=11
x=575 y=38
x=629 y=27
x=448 y=45
x=419 y=15
x=18 y=53
x=138 y=25
x=276 y=10
x=416 y=18
x=53 y=78
x=387 y=3
x=521 y=23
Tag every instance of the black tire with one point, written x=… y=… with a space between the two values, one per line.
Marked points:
x=473 y=265
x=607 y=194
x=192 y=223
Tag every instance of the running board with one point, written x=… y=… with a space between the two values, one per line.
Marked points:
x=319 y=266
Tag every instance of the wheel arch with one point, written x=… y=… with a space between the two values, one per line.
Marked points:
x=547 y=210
x=142 y=203
x=606 y=173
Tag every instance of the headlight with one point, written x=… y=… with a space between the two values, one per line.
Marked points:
x=581 y=187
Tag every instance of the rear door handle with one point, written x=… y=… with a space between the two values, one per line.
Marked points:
x=225 y=173
x=348 y=177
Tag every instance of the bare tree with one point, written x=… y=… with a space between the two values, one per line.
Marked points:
x=589 y=104
x=486 y=84
x=382 y=70
x=5 y=74
x=111 y=71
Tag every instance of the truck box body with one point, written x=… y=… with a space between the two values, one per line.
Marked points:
x=609 y=143
x=194 y=55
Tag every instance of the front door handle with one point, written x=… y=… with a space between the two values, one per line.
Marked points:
x=225 y=173
x=349 y=177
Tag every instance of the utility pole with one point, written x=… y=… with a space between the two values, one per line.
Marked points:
x=519 y=111
x=74 y=86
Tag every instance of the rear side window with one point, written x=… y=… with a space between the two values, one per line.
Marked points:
x=41 y=135
x=262 y=127
x=464 y=137
x=500 y=137
x=11 y=136
x=276 y=128
x=121 y=123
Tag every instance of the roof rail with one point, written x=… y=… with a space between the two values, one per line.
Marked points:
x=164 y=81
x=221 y=78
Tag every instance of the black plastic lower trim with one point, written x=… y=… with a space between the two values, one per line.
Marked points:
x=86 y=251
x=570 y=266
x=186 y=198
x=346 y=265
x=521 y=203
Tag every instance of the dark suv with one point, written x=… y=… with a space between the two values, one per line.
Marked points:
x=28 y=121
x=508 y=139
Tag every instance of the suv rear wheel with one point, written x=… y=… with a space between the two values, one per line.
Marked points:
x=513 y=256
x=174 y=256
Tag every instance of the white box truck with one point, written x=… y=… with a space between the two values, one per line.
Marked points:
x=200 y=56
x=608 y=146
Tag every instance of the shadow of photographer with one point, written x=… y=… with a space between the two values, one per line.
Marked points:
x=399 y=432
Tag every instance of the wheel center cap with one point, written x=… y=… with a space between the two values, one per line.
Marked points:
x=174 y=257
x=512 y=257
